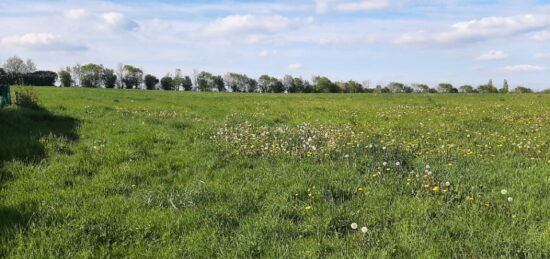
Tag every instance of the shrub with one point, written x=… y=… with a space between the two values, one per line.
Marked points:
x=26 y=98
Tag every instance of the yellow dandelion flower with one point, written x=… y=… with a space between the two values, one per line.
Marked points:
x=435 y=189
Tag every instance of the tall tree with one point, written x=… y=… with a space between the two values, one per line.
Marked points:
x=240 y=83
x=467 y=89
x=219 y=83
x=16 y=65
x=205 y=81
x=178 y=79
x=187 y=84
x=324 y=85
x=297 y=85
x=445 y=88
x=65 y=78
x=288 y=83
x=133 y=77
x=505 y=88
x=76 y=74
x=151 y=82
x=109 y=78
x=167 y=83
x=120 y=75
x=91 y=75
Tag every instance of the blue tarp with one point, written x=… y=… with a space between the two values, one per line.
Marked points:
x=5 y=96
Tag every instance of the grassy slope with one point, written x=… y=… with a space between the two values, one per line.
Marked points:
x=112 y=173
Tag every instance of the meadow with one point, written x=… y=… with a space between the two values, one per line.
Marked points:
x=153 y=174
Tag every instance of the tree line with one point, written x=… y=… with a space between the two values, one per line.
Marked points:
x=19 y=72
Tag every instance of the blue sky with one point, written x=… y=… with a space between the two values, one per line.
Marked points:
x=410 y=41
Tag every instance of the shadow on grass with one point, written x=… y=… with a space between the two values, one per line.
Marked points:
x=21 y=131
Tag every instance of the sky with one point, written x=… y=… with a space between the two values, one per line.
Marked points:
x=374 y=41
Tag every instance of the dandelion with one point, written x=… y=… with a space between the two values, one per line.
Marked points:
x=385 y=163
x=436 y=189
x=353 y=225
x=447 y=184
x=397 y=163
x=308 y=207
x=364 y=230
x=503 y=192
x=510 y=199
x=427 y=166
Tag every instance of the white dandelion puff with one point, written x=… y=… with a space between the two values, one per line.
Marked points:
x=353 y=225
x=364 y=230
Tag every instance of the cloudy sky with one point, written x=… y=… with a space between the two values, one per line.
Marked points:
x=411 y=41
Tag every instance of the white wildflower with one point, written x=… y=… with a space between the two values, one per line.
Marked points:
x=353 y=225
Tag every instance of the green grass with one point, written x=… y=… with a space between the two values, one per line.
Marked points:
x=121 y=173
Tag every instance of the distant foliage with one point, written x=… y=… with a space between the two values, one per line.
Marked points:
x=109 y=78
x=523 y=90
x=167 y=83
x=65 y=78
x=151 y=82
x=16 y=71
x=37 y=78
x=133 y=77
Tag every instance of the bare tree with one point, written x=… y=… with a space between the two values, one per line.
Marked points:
x=17 y=65
x=120 y=75
x=76 y=74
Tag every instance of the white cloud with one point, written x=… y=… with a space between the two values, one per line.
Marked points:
x=267 y=53
x=493 y=55
x=325 y=6
x=77 y=14
x=542 y=36
x=543 y=55
x=237 y=24
x=39 y=41
x=479 y=30
x=295 y=66
x=117 y=21
x=108 y=21
x=525 y=68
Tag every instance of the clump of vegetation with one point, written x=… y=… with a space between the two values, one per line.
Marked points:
x=26 y=98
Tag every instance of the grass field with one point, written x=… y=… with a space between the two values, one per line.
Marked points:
x=121 y=173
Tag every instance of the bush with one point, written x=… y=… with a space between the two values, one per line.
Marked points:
x=26 y=98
